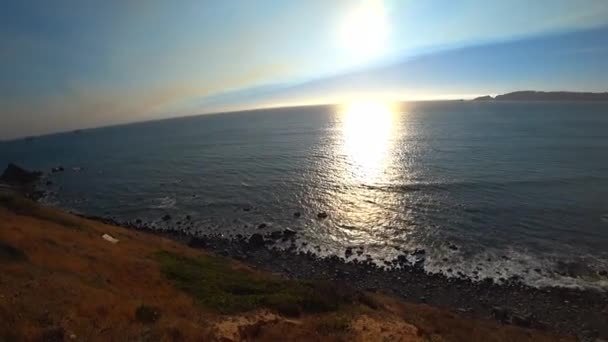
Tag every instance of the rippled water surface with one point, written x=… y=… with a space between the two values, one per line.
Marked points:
x=488 y=189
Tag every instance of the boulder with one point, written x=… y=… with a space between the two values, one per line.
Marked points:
x=14 y=174
x=322 y=215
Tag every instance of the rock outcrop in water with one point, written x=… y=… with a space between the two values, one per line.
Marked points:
x=16 y=175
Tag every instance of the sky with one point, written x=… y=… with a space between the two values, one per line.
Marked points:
x=74 y=64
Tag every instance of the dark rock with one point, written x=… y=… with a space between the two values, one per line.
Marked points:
x=166 y=217
x=14 y=174
x=256 y=240
x=348 y=252
x=48 y=183
x=262 y=226
x=246 y=209
x=602 y=273
x=322 y=215
x=297 y=214
x=419 y=253
x=453 y=247
x=289 y=232
x=57 y=169
x=138 y=221
x=402 y=259
x=188 y=217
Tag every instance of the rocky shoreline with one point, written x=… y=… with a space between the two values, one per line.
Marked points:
x=582 y=313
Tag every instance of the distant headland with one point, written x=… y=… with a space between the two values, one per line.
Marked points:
x=531 y=95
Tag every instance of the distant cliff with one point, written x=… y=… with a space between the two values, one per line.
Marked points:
x=530 y=95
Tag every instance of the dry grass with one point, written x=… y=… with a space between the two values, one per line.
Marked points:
x=60 y=279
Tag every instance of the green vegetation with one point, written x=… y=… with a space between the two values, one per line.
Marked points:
x=10 y=253
x=217 y=286
x=23 y=206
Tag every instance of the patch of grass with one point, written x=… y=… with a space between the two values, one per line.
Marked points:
x=147 y=314
x=10 y=253
x=217 y=286
x=23 y=206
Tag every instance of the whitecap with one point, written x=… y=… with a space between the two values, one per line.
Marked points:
x=164 y=203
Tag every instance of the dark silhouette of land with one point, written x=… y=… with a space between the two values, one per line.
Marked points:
x=531 y=95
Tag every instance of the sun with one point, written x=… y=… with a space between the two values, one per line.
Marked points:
x=364 y=30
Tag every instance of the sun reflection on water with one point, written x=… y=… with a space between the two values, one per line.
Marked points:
x=367 y=132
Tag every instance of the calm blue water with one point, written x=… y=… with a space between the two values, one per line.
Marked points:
x=515 y=186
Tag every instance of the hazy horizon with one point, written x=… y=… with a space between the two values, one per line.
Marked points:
x=74 y=65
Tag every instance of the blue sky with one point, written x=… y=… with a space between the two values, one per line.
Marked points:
x=74 y=64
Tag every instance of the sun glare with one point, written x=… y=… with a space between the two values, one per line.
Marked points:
x=367 y=132
x=364 y=30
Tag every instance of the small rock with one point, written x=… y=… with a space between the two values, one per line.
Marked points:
x=246 y=209
x=57 y=169
x=138 y=221
x=262 y=226
x=188 y=217
x=109 y=238
x=297 y=214
x=348 y=252
x=166 y=217
x=603 y=273
x=419 y=253
x=48 y=183
x=453 y=247
x=322 y=215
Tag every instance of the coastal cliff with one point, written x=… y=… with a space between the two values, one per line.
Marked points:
x=69 y=278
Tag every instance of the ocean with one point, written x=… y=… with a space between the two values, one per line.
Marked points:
x=487 y=189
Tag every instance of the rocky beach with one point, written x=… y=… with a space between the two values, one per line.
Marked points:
x=559 y=310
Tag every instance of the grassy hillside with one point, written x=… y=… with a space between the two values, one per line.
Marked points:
x=62 y=281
